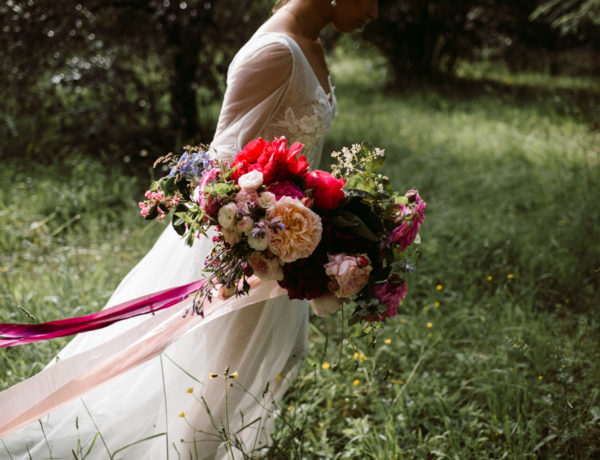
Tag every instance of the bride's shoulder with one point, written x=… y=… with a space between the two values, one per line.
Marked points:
x=266 y=46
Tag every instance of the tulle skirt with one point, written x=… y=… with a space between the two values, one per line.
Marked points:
x=177 y=402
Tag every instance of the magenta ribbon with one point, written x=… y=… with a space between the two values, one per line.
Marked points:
x=19 y=334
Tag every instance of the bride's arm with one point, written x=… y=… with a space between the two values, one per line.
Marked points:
x=256 y=83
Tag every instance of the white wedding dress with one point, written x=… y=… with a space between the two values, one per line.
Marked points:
x=143 y=379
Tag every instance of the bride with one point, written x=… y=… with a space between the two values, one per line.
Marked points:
x=164 y=386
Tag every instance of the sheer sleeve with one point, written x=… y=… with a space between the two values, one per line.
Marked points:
x=257 y=82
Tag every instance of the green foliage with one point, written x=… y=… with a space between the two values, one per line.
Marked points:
x=495 y=352
x=116 y=76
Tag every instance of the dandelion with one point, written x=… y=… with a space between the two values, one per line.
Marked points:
x=356 y=382
x=190 y=390
x=490 y=278
x=510 y=276
x=325 y=365
x=362 y=358
x=182 y=414
x=429 y=325
x=387 y=341
x=439 y=287
x=289 y=408
x=436 y=304
x=540 y=377
x=356 y=355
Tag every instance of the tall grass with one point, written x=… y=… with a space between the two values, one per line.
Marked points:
x=495 y=351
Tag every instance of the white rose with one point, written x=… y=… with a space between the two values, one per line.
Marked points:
x=260 y=243
x=266 y=199
x=227 y=215
x=251 y=180
x=231 y=237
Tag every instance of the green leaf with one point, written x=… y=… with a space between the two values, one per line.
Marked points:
x=354 y=225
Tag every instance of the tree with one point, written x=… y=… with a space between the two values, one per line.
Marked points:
x=422 y=38
x=116 y=71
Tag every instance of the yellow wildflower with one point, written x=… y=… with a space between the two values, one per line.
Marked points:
x=439 y=287
x=212 y=376
x=490 y=278
x=190 y=390
x=387 y=341
x=540 y=377
x=362 y=357
x=279 y=377
x=182 y=414
x=289 y=408
x=429 y=325
x=4 y=269
x=510 y=276
x=325 y=365
x=234 y=375
x=436 y=304
x=356 y=382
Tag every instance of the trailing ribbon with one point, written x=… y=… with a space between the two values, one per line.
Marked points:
x=19 y=334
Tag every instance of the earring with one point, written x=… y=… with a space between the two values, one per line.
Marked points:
x=333 y=3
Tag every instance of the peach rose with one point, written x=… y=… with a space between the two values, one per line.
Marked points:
x=349 y=273
x=301 y=231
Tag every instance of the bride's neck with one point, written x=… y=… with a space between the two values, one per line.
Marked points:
x=309 y=17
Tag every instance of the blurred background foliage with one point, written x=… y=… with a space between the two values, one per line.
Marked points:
x=126 y=79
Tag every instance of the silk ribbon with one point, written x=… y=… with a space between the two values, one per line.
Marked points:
x=19 y=334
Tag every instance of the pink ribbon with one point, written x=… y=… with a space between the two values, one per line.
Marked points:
x=19 y=334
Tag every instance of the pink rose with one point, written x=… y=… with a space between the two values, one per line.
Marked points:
x=391 y=293
x=245 y=199
x=301 y=231
x=266 y=266
x=411 y=217
x=325 y=304
x=327 y=190
x=350 y=273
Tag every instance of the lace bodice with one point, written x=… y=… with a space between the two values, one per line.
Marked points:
x=273 y=91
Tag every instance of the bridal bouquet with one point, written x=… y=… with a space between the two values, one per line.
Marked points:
x=332 y=236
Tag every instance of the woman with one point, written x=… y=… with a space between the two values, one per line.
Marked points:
x=160 y=392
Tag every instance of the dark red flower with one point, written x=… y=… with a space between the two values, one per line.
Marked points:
x=327 y=190
x=306 y=278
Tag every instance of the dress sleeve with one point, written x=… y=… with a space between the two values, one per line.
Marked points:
x=257 y=82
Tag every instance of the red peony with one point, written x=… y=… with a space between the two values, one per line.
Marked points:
x=327 y=190
x=274 y=160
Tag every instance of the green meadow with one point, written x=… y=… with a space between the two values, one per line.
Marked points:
x=495 y=352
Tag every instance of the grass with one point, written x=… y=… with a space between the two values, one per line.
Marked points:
x=495 y=351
